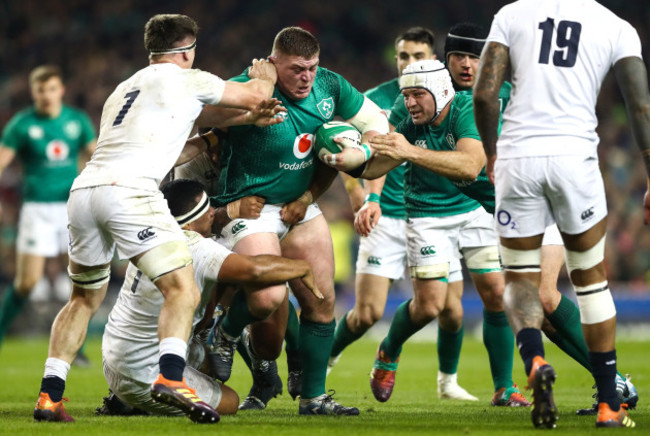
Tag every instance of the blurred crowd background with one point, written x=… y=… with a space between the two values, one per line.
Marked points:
x=98 y=44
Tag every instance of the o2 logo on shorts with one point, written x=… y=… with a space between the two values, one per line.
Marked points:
x=302 y=145
x=505 y=219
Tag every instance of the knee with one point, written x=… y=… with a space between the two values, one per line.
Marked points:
x=426 y=310
x=264 y=303
x=451 y=320
x=365 y=317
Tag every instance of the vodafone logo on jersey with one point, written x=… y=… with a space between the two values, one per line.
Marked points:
x=57 y=150
x=302 y=145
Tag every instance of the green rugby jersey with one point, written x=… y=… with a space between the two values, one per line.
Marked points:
x=392 y=194
x=48 y=149
x=427 y=193
x=480 y=189
x=277 y=162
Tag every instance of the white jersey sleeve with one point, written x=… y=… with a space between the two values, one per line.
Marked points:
x=130 y=342
x=560 y=52
x=146 y=122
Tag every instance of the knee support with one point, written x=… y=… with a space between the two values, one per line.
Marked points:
x=429 y=272
x=482 y=260
x=93 y=279
x=164 y=259
x=584 y=260
x=595 y=302
x=521 y=261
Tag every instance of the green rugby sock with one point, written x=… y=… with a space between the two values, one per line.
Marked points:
x=500 y=344
x=343 y=336
x=238 y=316
x=292 y=335
x=315 y=345
x=401 y=328
x=566 y=321
x=449 y=344
x=12 y=305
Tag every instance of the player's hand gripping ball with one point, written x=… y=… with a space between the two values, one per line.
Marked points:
x=324 y=138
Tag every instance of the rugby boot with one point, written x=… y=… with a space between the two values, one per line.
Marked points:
x=178 y=394
x=325 y=405
x=382 y=377
x=449 y=389
x=509 y=397
x=48 y=410
x=541 y=379
x=608 y=418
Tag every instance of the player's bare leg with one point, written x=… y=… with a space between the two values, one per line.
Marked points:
x=67 y=335
x=585 y=263
x=371 y=293
x=428 y=301
x=312 y=242
x=525 y=315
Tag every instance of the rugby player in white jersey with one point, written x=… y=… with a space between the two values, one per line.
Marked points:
x=116 y=202
x=558 y=53
x=130 y=343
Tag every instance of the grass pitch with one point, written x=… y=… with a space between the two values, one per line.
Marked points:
x=413 y=409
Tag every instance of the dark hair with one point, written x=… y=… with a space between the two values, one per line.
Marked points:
x=417 y=34
x=181 y=195
x=162 y=31
x=465 y=38
x=44 y=73
x=296 y=41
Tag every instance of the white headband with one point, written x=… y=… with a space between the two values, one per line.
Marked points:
x=197 y=212
x=174 y=50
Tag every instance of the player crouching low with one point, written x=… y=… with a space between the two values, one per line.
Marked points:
x=130 y=345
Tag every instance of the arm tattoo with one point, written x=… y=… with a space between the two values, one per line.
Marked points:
x=495 y=61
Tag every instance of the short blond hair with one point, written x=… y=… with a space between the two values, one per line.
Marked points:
x=43 y=73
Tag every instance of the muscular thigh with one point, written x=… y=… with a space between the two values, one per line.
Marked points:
x=311 y=241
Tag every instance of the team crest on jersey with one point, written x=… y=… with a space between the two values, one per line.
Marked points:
x=302 y=145
x=451 y=141
x=72 y=129
x=326 y=107
x=57 y=150
x=35 y=132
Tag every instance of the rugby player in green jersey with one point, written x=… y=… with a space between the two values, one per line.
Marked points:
x=52 y=141
x=279 y=165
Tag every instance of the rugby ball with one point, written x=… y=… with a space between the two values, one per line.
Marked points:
x=324 y=138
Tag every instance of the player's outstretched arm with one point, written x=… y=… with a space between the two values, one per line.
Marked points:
x=267 y=270
x=265 y=113
x=632 y=78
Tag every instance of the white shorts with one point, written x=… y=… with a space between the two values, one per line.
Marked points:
x=268 y=222
x=104 y=217
x=534 y=192
x=383 y=252
x=43 y=229
x=437 y=240
x=138 y=394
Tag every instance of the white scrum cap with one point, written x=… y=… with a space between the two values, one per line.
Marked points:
x=432 y=76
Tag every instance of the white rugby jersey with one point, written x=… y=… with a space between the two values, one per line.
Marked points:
x=201 y=169
x=130 y=342
x=145 y=124
x=560 y=52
